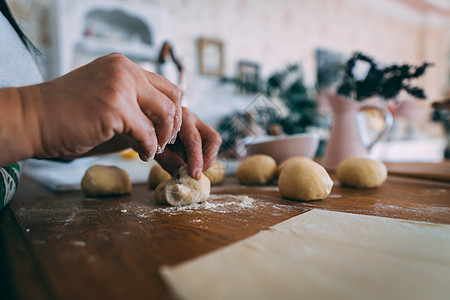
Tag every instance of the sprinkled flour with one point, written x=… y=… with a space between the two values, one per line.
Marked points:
x=79 y=243
x=216 y=203
x=234 y=203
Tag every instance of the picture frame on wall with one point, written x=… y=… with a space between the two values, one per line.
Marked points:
x=211 y=57
x=249 y=76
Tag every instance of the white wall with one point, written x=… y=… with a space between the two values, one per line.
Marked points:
x=274 y=33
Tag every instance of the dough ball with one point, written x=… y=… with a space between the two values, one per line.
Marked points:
x=290 y=160
x=101 y=181
x=361 y=172
x=215 y=173
x=157 y=175
x=184 y=190
x=304 y=180
x=256 y=169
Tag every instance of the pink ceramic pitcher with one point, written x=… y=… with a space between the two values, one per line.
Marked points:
x=345 y=136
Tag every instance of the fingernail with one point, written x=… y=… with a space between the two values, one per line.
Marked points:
x=159 y=149
x=143 y=157
x=151 y=158
x=173 y=139
x=197 y=173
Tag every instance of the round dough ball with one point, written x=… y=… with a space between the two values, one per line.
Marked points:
x=304 y=180
x=215 y=173
x=184 y=190
x=290 y=160
x=361 y=172
x=102 y=181
x=157 y=175
x=256 y=169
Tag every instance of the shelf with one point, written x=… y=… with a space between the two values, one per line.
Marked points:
x=131 y=50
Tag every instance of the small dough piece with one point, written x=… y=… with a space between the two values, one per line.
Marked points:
x=129 y=154
x=215 y=173
x=184 y=190
x=304 y=180
x=157 y=175
x=102 y=181
x=361 y=172
x=290 y=160
x=256 y=169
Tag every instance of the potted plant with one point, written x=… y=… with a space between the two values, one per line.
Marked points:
x=364 y=78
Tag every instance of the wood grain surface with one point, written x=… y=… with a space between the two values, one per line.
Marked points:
x=433 y=171
x=66 y=246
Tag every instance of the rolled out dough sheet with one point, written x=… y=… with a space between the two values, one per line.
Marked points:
x=324 y=255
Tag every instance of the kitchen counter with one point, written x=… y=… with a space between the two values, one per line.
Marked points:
x=66 y=246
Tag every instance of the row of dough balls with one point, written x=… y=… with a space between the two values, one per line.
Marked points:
x=300 y=178
x=105 y=181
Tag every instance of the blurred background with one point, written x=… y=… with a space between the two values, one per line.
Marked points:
x=223 y=54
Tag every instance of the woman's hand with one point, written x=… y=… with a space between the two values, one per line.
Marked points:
x=197 y=145
x=110 y=104
x=89 y=106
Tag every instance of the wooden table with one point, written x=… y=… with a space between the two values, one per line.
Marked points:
x=65 y=246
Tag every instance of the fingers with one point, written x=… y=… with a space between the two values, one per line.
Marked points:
x=211 y=142
x=170 y=161
x=192 y=142
x=159 y=100
x=201 y=143
x=193 y=146
x=157 y=118
x=144 y=135
x=172 y=92
x=161 y=111
x=166 y=87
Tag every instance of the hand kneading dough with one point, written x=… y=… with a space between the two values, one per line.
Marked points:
x=256 y=169
x=100 y=181
x=184 y=190
x=157 y=175
x=215 y=173
x=361 y=172
x=304 y=180
x=289 y=161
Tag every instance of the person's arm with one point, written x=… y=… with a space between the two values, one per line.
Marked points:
x=87 y=107
x=108 y=102
x=15 y=144
x=10 y=128
x=76 y=113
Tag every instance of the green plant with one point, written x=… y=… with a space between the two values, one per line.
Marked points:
x=385 y=82
x=289 y=86
x=286 y=87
